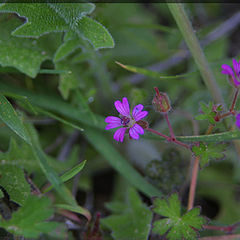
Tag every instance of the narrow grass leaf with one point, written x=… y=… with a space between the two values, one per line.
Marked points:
x=69 y=174
x=9 y=116
x=150 y=73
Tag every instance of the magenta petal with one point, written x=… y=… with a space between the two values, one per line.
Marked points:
x=135 y=131
x=235 y=65
x=238 y=120
x=138 y=108
x=227 y=70
x=125 y=105
x=141 y=115
x=119 y=107
x=112 y=125
x=111 y=119
x=119 y=134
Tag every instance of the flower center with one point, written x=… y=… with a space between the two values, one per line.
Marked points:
x=127 y=121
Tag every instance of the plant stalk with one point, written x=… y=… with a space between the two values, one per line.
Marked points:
x=193 y=44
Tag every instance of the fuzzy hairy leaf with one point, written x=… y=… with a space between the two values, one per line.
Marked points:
x=24 y=54
x=176 y=225
x=30 y=220
x=135 y=221
x=60 y=17
x=208 y=152
x=14 y=182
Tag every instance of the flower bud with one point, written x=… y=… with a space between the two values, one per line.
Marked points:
x=161 y=102
x=143 y=124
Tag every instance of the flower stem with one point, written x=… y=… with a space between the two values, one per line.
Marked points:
x=195 y=169
x=170 y=139
x=169 y=126
x=158 y=133
x=234 y=100
x=224 y=237
x=193 y=185
x=192 y=42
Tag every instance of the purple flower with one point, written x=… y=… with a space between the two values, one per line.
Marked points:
x=127 y=121
x=238 y=120
x=233 y=74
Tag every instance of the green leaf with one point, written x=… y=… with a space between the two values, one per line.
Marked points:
x=13 y=180
x=66 y=48
x=24 y=54
x=95 y=33
x=69 y=174
x=30 y=220
x=208 y=152
x=135 y=220
x=64 y=17
x=176 y=226
x=150 y=73
x=9 y=116
x=208 y=113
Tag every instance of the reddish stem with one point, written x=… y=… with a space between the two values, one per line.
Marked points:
x=225 y=237
x=234 y=100
x=169 y=126
x=168 y=138
x=193 y=185
x=231 y=111
x=158 y=133
x=227 y=229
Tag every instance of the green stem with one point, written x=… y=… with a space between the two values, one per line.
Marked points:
x=192 y=42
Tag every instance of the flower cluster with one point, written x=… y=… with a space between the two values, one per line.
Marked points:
x=127 y=121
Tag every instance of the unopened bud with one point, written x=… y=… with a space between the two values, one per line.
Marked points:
x=161 y=102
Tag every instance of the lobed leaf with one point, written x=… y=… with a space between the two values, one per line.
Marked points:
x=60 y=17
x=135 y=220
x=24 y=54
x=208 y=152
x=30 y=220
x=13 y=180
x=176 y=226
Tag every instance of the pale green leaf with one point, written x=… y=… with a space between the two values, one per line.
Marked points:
x=150 y=73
